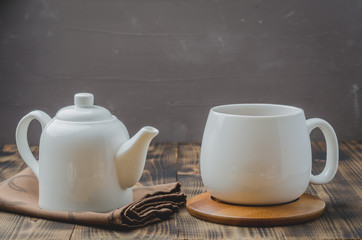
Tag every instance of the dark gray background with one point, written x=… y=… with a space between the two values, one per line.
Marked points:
x=165 y=63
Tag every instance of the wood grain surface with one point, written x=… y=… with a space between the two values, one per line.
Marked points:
x=180 y=161
x=304 y=209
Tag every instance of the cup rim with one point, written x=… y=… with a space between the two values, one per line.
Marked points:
x=289 y=110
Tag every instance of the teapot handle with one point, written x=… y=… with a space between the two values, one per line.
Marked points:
x=22 y=139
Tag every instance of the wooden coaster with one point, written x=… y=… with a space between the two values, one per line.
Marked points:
x=304 y=209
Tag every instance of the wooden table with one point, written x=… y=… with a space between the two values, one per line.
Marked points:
x=168 y=162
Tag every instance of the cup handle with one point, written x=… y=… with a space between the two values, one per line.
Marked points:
x=331 y=167
x=22 y=139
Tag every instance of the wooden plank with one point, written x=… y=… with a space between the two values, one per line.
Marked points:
x=34 y=228
x=343 y=194
x=9 y=165
x=160 y=168
x=11 y=162
x=8 y=222
x=340 y=220
x=351 y=170
x=171 y=162
x=161 y=164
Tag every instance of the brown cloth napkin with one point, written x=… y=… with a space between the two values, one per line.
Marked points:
x=151 y=204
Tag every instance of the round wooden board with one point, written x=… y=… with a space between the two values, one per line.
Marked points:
x=304 y=209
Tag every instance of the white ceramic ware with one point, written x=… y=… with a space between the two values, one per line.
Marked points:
x=260 y=154
x=86 y=160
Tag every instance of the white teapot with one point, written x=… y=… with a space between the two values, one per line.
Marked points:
x=86 y=160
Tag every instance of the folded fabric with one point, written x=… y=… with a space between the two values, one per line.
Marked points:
x=151 y=204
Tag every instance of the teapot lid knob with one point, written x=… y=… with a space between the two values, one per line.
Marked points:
x=83 y=100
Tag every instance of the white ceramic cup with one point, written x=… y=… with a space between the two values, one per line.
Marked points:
x=260 y=154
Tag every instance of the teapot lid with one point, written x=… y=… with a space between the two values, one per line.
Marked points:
x=83 y=110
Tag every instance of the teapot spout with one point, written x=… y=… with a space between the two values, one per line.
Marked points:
x=130 y=157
